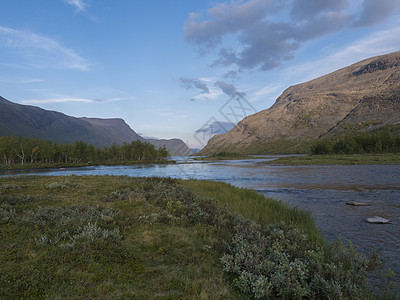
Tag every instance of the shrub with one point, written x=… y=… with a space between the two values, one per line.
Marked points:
x=278 y=261
x=7 y=215
x=16 y=199
x=91 y=233
x=61 y=185
x=9 y=187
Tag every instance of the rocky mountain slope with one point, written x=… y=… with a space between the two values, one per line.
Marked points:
x=361 y=97
x=31 y=121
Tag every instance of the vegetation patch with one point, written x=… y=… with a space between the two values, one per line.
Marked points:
x=378 y=142
x=121 y=237
x=339 y=159
x=224 y=156
x=22 y=152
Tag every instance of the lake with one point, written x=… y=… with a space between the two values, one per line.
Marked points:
x=323 y=190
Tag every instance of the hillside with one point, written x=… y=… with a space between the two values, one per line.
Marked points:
x=361 y=97
x=31 y=121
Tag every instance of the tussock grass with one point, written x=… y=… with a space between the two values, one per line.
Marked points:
x=257 y=207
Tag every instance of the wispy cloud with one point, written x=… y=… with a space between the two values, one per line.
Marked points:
x=378 y=43
x=79 y=5
x=16 y=66
x=41 y=51
x=56 y=100
x=111 y=99
x=21 y=81
x=167 y=112
x=71 y=99
x=268 y=92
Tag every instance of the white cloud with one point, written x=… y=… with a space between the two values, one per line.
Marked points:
x=22 y=81
x=78 y=4
x=41 y=51
x=71 y=99
x=56 y=100
x=213 y=93
x=112 y=99
x=268 y=92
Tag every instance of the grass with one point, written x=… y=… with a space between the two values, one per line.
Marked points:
x=116 y=253
x=123 y=237
x=224 y=156
x=78 y=165
x=339 y=159
x=256 y=207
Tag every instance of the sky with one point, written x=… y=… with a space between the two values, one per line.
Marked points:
x=181 y=68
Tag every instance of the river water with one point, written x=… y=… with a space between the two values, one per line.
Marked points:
x=323 y=190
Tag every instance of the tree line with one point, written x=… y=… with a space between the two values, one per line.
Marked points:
x=378 y=142
x=22 y=150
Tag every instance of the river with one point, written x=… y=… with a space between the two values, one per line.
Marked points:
x=323 y=190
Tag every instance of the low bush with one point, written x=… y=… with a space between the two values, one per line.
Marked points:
x=278 y=261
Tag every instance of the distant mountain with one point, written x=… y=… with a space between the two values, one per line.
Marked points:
x=31 y=121
x=175 y=146
x=362 y=97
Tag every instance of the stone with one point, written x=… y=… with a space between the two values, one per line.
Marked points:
x=378 y=220
x=354 y=203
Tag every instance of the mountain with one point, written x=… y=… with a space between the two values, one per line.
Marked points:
x=31 y=121
x=362 y=97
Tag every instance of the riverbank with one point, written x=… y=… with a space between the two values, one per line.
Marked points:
x=115 y=237
x=32 y=166
x=226 y=156
x=339 y=159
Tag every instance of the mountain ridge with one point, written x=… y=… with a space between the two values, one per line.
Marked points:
x=32 y=121
x=365 y=92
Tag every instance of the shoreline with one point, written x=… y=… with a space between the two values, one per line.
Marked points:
x=80 y=165
x=338 y=159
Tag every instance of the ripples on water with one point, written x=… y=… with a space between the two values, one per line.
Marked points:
x=323 y=190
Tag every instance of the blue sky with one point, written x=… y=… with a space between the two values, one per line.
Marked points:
x=171 y=68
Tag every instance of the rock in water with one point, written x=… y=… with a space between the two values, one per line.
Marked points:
x=354 y=203
x=378 y=220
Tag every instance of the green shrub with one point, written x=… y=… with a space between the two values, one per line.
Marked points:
x=278 y=261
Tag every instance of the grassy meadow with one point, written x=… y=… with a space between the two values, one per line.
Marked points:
x=120 y=237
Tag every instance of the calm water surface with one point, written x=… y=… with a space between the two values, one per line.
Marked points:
x=321 y=189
